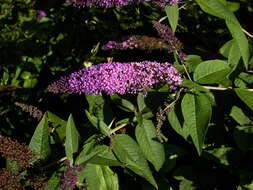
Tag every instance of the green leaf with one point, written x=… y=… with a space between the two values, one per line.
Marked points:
x=192 y=61
x=186 y=185
x=88 y=152
x=241 y=40
x=127 y=105
x=222 y=154
x=92 y=119
x=72 y=139
x=218 y=9
x=104 y=129
x=234 y=56
x=197 y=111
x=40 y=139
x=141 y=102
x=212 y=71
x=238 y=115
x=173 y=15
x=246 y=96
x=100 y=108
x=123 y=104
x=58 y=123
x=233 y=6
x=53 y=182
x=244 y=80
x=174 y=122
x=105 y=157
x=129 y=153
x=225 y=49
x=153 y=150
x=101 y=178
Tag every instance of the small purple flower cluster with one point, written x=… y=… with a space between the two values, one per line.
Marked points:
x=169 y=37
x=69 y=177
x=112 y=3
x=163 y=3
x=118 y=78
x=127 y=44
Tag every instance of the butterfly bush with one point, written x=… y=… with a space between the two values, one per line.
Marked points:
x=137 y=42
x=118 y=78
x=112 y=3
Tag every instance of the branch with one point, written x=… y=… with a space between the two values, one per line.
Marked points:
x=247 y=33
x=221 y=88
x=53 y=163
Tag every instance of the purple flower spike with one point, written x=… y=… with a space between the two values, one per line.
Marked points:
x=137 y=42
x=118 y=78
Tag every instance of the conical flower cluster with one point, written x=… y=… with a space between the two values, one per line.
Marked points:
x=145 y=43
x=118 y=78
x=32 y=110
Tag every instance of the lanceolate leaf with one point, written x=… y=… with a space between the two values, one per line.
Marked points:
x=72 y=139
x=212 y=71
x=100 y=178
x=246 y=96
x=217 y=8
x=242 y=42
x=234 y=56
x=174 y=122
x=173 y=15
x=153 y=150
x=197 y=111
x=141 y=102
x=40 y=139
x=129 y=153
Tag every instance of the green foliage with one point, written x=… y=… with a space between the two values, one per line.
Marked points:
x=197 y=112
x=72 y=139
x=129 y=153
x=198 y=136
x=154 y=151
x=101 y=178
x=40 y=139
x=212 y=71
x=173 y=16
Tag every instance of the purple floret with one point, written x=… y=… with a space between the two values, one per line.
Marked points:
x=118 y=78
